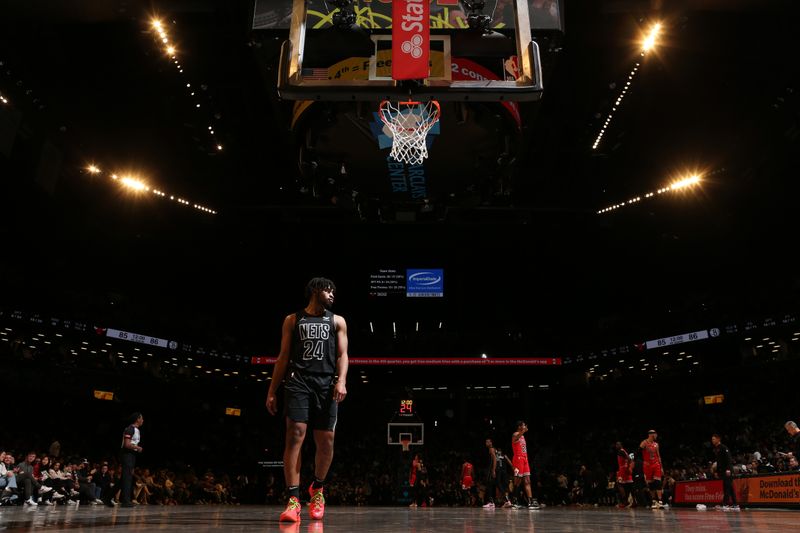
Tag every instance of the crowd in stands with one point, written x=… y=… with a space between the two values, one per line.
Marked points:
x=367 y=472
x=49 y=479
x=197 y=455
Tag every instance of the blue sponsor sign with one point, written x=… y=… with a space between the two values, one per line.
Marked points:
x=425 y=283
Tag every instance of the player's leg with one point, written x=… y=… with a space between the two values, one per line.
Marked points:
x=502 y=483
x=324 y=426
x=295 y=434
x=655 y=490
x=323 y=438
x=526 y=480
x=297 y=401
x=621 y=492
x=657 y=474
x=489 y=492
x=516 y=492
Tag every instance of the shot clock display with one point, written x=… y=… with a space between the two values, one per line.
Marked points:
x=406 y=408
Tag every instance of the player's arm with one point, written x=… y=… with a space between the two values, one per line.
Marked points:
x=281 y=364
x=658 y=454
x=515 y=436
x=342 y=361
x=493 y=455
x=643 y=444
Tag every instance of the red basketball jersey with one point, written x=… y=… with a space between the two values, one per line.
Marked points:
x=650 y=453
x=520 y=448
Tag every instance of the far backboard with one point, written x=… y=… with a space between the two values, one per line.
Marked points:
x=396 y=432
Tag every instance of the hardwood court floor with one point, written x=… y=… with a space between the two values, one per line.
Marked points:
x=197 y=519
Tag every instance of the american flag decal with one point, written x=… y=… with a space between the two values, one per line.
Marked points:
x=315 y=74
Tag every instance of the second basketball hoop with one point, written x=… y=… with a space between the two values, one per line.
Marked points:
x=409 y=123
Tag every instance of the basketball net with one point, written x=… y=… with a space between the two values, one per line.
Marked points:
x=409 y=124
x=406 y=444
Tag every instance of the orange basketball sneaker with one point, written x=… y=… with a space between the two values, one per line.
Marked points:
x=317 y=504
x=292 y=512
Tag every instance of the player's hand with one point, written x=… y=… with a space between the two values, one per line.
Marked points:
x=516 y=471
x=339 y=392
x=272 y=404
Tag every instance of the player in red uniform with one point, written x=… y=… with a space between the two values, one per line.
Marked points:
x=624 y=476
x=522 y=471
x=652 y=466
x=468 y=483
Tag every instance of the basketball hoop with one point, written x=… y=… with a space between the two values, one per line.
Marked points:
x=405 y=443
x=409 y=123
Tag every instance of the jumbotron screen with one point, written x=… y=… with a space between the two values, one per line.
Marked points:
x=408 y=282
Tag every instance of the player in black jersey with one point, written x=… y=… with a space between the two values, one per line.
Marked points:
x=502 y=478
x=498 y=477
x=313 y=359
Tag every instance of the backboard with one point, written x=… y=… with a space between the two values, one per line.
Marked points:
x=329 y=57
x=397 y=432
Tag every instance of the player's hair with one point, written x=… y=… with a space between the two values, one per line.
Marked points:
x=716 y=435
x=790 y=424
x=519 y=423
x=652 y=431
x=134 y=417
x=319 y=284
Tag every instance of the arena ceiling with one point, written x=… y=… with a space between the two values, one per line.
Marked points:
x=87 y=84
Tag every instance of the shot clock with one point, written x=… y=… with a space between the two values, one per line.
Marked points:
x=406 y=408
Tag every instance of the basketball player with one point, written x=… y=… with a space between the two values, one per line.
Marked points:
x=522 y=471
x=624 y=476
x=314 y=353
x=652 y=467
x=502 y=471
x=468 y=483
x=412 y=478
x=491 y=478
x=497 y=478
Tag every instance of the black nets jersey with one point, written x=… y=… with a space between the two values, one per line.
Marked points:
x=314 y=344
x=501 y=458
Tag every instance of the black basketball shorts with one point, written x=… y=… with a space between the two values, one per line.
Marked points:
x=309 y=399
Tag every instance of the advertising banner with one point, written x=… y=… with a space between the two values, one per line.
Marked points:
x=694 y=492
x=435 y=361
x=411 y=28
x=779 y=490
x=763 y=490
x=425 y=283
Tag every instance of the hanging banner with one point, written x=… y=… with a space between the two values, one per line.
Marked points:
x=376 y=14
x=434 y=361
x=411 y=27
